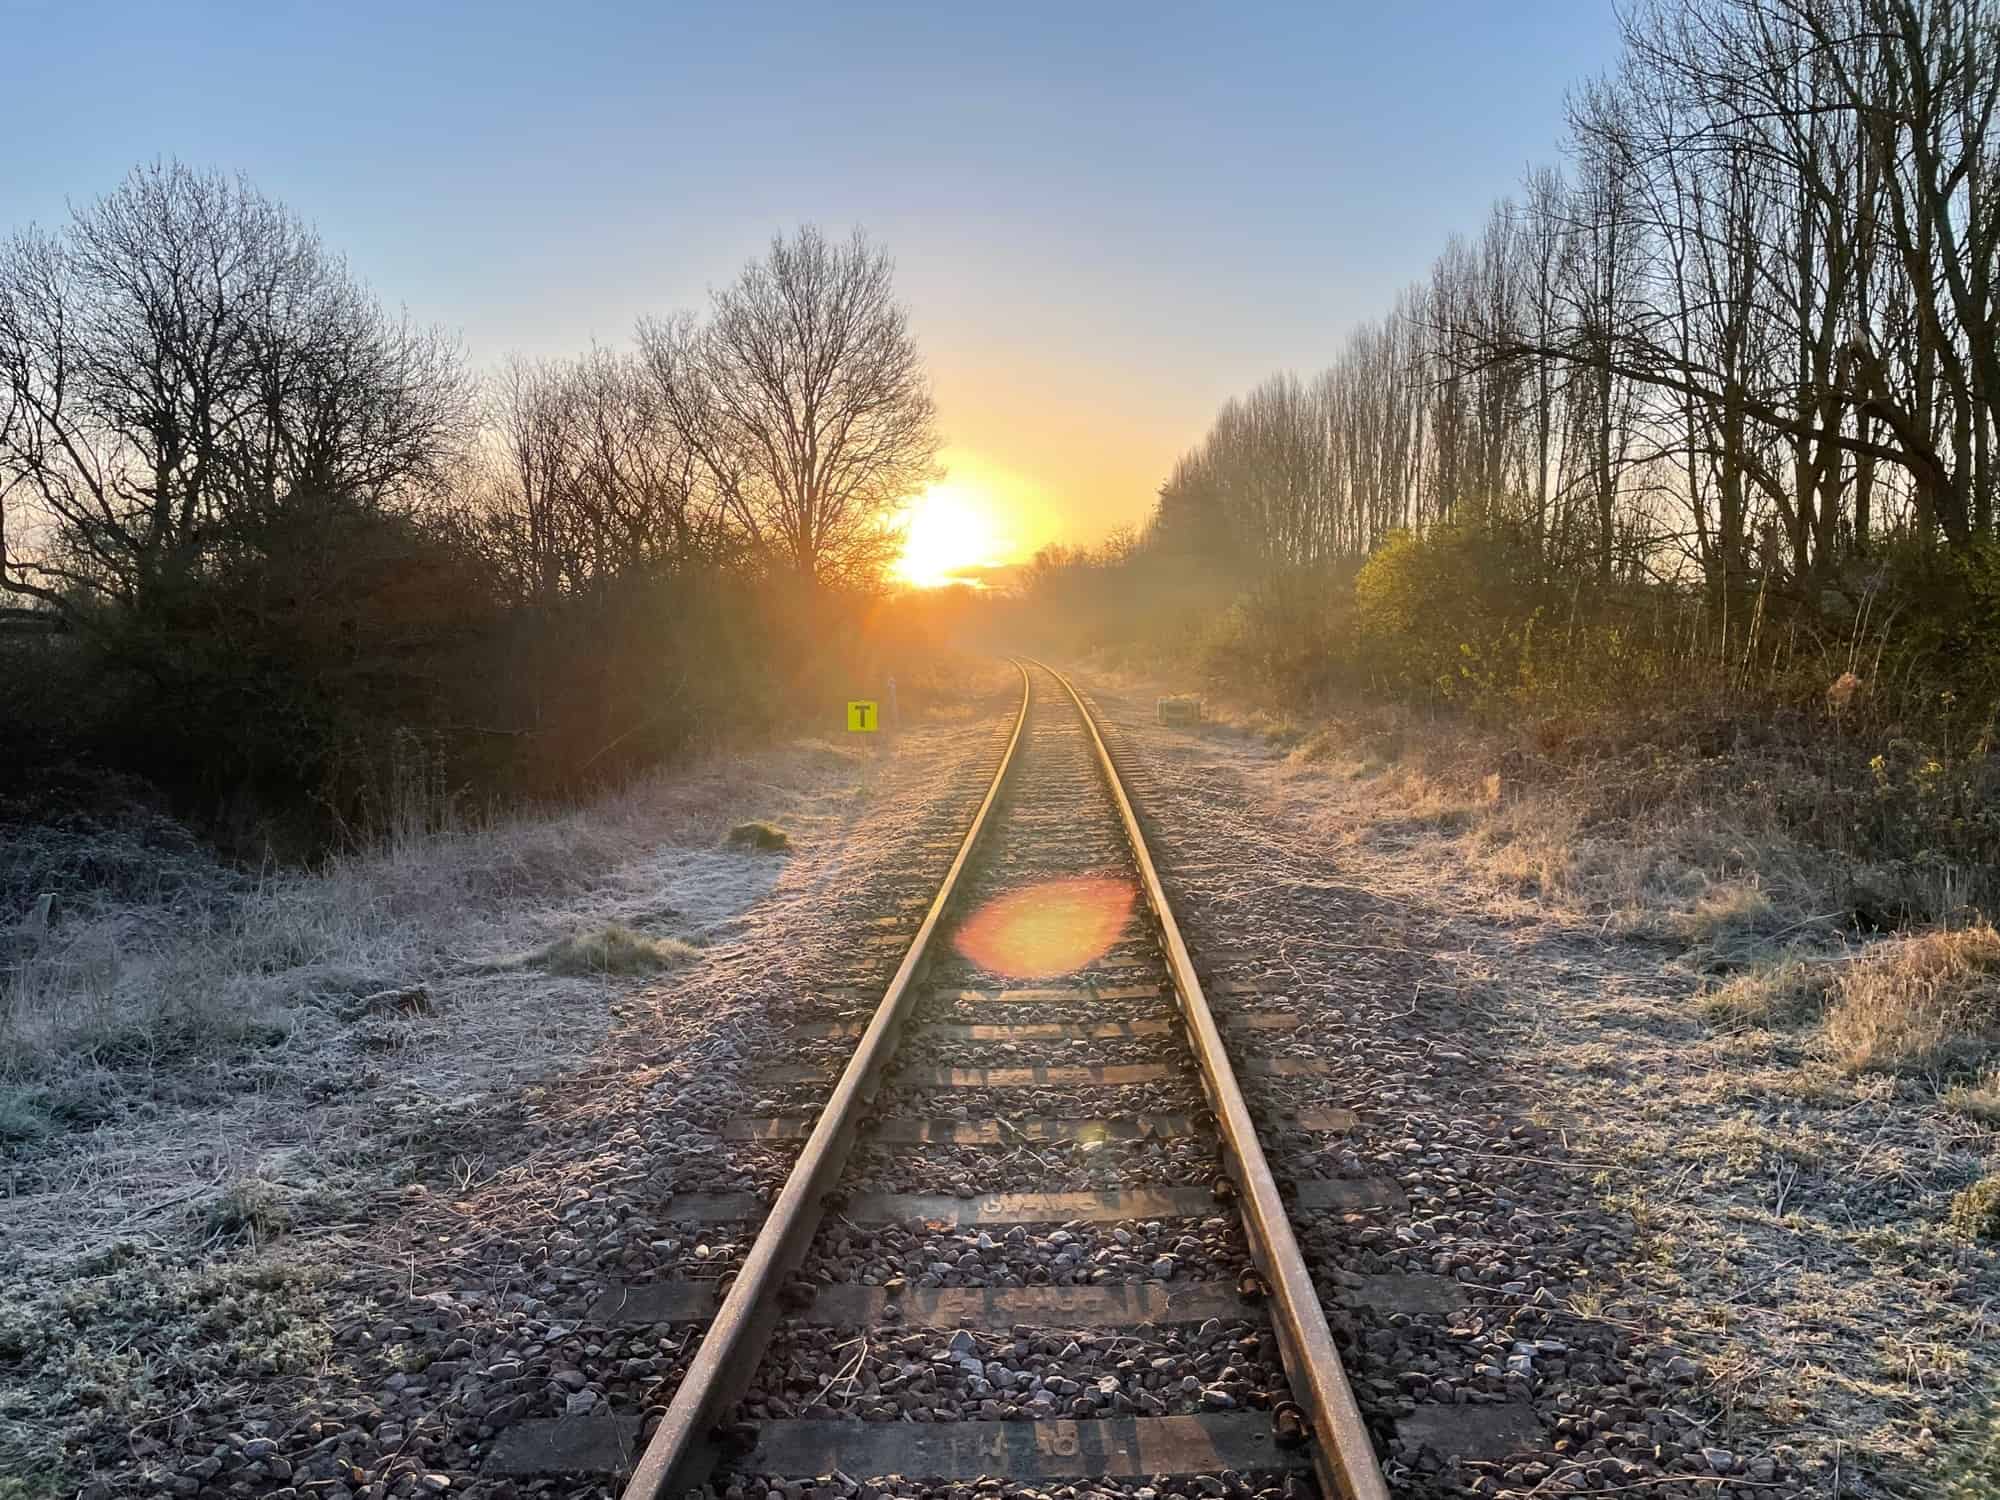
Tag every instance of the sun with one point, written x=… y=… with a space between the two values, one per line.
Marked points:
x=951 y=531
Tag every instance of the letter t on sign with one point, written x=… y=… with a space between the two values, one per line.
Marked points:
x=862 y=717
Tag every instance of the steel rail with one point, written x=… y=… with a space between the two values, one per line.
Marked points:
x=680 y=1454
x=1344 y=1455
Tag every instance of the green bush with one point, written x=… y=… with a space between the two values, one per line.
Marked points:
x=1450 y=615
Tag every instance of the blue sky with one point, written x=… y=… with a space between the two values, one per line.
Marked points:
x=1106 y=218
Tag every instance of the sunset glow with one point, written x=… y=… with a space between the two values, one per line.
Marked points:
x=954 y=531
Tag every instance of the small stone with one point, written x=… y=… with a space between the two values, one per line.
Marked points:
x=1721 y=1460
x=1163 y=1267
x=437 y=1484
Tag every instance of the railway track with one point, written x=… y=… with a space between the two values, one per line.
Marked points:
x=1030 y=1234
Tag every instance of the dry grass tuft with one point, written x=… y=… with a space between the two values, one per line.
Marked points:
x=1787 y=992
x=1647 y=841
x=613 y=949
x=1978 y=1102
x=1917 y=1003
x=1975 y=1212
x=765 y=837
x=1319 y=748
x=251 y=1209
x=1434 y=802
x=1727 y=912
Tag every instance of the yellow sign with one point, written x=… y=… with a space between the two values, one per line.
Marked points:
x=862 y=717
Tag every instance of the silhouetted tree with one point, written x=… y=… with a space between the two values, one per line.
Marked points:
x=183 y=367
x=805 y=401
x=590 y=482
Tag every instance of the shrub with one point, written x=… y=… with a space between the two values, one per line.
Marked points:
x=1448 y=615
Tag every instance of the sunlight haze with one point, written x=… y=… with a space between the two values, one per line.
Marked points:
x=1019 y=752
x=1104 y=220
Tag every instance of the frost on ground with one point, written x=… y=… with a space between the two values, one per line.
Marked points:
x=450 y=1121
x=1731 y=1188
x=185 y=1031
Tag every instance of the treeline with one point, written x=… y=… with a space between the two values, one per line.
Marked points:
x=1745 y=331
x=1695 y=442
x=1742 y=345
x=277 y=549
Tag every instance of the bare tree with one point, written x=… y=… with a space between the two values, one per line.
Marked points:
x=805 y=400
x=183 y=366
x=589 y=480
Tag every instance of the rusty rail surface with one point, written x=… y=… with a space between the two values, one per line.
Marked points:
x=679 y=1455
x=1343 y=1456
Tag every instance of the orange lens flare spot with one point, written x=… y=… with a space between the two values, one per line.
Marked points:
x=1048 y=929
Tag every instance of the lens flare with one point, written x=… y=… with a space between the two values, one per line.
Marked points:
x=1047 y=929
